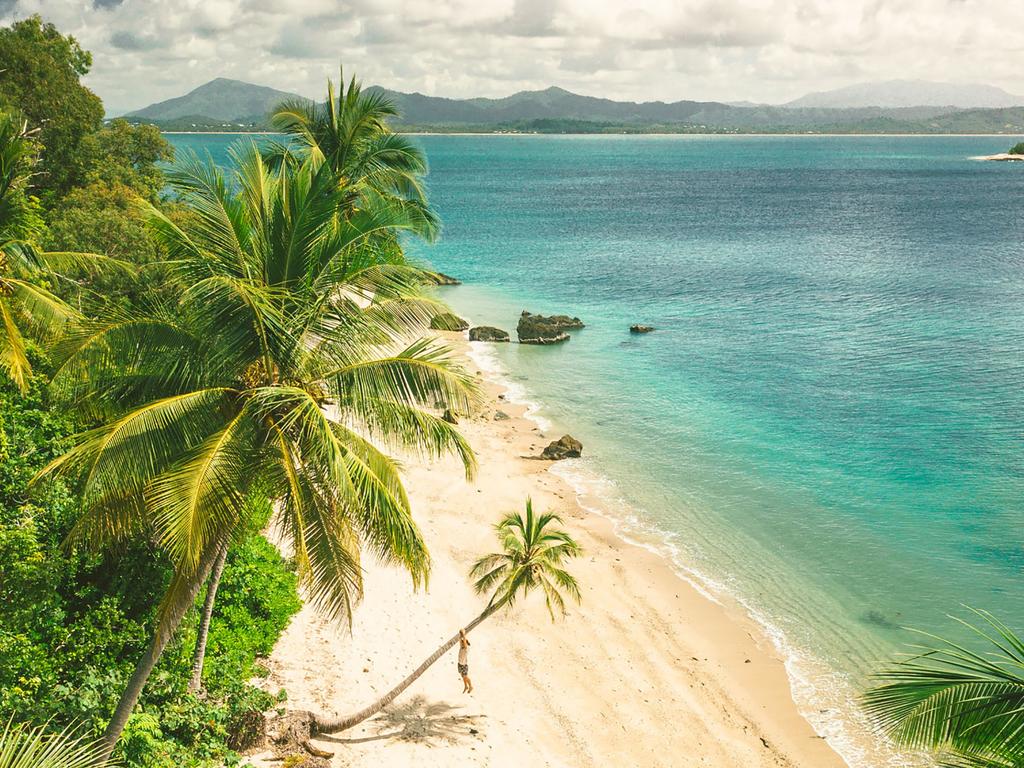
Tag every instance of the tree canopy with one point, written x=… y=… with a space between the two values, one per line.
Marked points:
x=40 y=79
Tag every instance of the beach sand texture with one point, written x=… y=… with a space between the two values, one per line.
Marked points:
x=647 y=671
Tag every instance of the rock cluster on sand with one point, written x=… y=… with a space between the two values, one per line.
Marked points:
x=638 y=328
x=538 y=329
x=449 y=416
x=446 y=321
x=565 y=447
x=487 y=333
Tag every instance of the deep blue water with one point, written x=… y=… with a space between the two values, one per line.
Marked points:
x=829 y=419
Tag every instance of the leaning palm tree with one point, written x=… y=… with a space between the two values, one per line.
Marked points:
x=967 y=706
x=350 y=132
x=27 y=747
x=283 y=372
x=26 y=308
x=532 y=558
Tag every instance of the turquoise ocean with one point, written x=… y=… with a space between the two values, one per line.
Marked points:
x=827 y=424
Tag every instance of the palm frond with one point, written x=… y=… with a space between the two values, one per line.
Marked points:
x=24 y=746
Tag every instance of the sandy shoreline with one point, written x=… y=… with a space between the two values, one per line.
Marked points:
x=646 y=672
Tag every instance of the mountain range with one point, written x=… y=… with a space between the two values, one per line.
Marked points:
x=892 y=107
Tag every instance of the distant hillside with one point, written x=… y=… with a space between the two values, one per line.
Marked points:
x=224 y=104
x=911 y=93
x=220 y=100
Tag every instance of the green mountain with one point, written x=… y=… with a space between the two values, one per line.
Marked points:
x=218 y=101
x=224 y=104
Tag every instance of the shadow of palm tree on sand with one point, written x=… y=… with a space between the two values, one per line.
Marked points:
x=419 y=721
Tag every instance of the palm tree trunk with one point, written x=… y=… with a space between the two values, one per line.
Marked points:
x=336 y=725
x=162 y=634
x=199 y=655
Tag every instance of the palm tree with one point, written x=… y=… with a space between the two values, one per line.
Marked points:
x=350 y=132
x=968 y=706
x=26 y=308
x=282 y=372
x=532 y=557
x=26 y=747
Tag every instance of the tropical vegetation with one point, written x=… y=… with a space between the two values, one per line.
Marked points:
x=966 y=706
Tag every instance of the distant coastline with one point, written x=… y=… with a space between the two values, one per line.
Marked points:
x=809 y=134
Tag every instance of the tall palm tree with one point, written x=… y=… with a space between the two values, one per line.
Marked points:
x=26 y=308
x=27 y=747
x=967 y=706
x=532 y=557
x=350 y=132
x=282 y=372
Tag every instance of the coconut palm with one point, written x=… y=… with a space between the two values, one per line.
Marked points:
x=532 y=558
x=27 y=747
x=350 y=132
x=967 y=706
x=26 y=308
x=283 y=372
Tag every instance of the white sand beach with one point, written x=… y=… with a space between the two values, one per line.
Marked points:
x=646 y=672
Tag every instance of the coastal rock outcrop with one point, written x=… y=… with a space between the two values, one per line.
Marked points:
x=440 y=278
x=487 y=333
x=639 y=328
x=446 y=321
x=565 y=447
x=538 y=329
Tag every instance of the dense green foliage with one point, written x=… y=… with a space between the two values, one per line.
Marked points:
x=40 y=78
x=1017 y=149
x=73 y=620
x=73 y=623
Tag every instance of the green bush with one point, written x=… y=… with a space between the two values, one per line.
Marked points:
x=1017 y=149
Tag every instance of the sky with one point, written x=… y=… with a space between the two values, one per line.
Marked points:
x=767 y=51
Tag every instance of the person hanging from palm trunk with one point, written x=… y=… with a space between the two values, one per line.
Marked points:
x=463 y=663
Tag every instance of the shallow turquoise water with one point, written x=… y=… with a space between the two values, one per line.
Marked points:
x=829 y=420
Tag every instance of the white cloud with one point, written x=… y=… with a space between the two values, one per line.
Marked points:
x=762 y=50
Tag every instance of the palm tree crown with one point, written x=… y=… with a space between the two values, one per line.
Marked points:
x=349 y=131
x=967 y=706
x=532 y=556
x=284 y=359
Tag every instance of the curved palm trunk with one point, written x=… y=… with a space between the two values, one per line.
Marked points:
x=336 y=725
x=199 y=655
x=161 y=636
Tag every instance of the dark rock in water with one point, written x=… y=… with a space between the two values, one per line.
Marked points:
x=538 y=329
x=487 y=333
x=641 y=328
x=565 y=447
x=501 y=416
x=446 y=321
x=440 y=278
x=450 y=416
x=561 y=322
x=879 y=619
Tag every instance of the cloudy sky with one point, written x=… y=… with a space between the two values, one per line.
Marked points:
x=726 y=50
